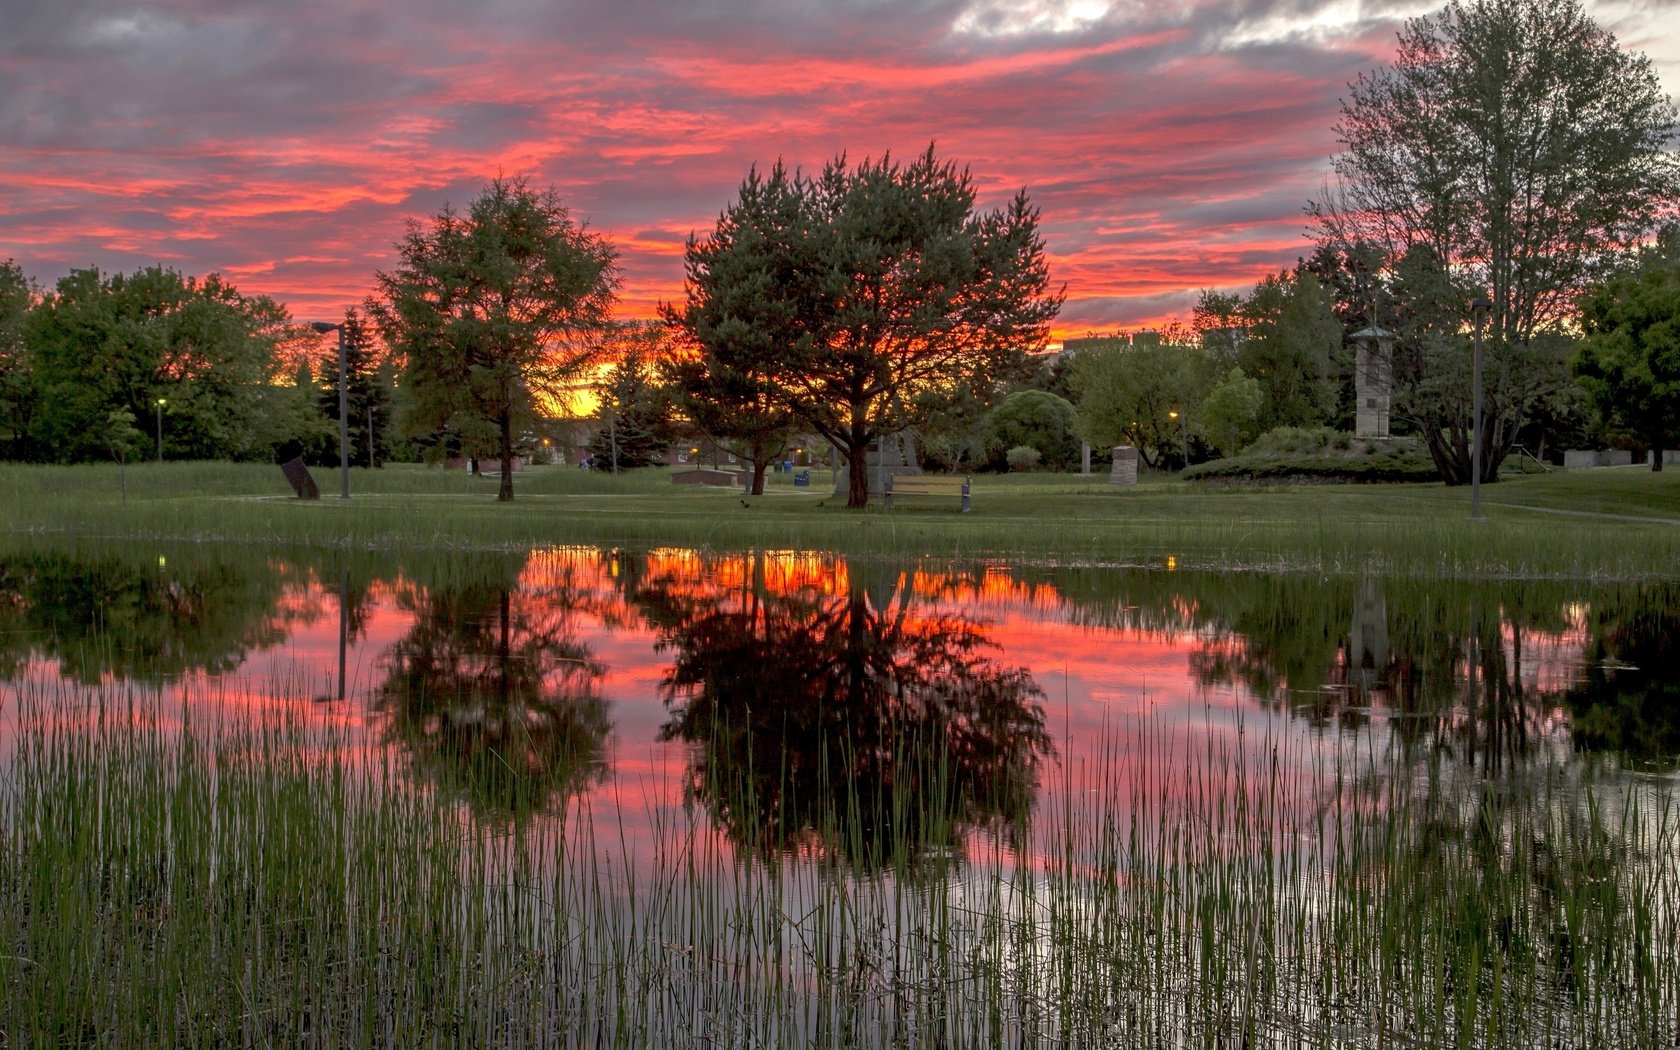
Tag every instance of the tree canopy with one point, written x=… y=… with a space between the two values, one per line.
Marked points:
x=1516 y=149
x=1630 y=358
x=494 y=312
x=101 y=343
x=856 y=292
x=17 y=298
x=1518 y=141
x=1139 y=395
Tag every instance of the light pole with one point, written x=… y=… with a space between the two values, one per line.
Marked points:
x=343 y=411
x=160 y=403
x=1183 y=432
x=1479 y=307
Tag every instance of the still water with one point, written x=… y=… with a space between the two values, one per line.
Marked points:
x=1103 y=729
x=587 y=672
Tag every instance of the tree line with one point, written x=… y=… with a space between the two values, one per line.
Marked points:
x=1513 y=154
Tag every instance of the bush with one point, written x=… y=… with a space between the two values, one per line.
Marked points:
x=1039 y=420
x=1328 y=456
x=1023 y=457
x=1298 y=441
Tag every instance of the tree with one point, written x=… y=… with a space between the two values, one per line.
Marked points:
x=864 y=291
x=122 y=438
x=495 y=312
x=1630 y=358
x=1285 y=337
x=1231 y=413
x=1520 y=145
x=17 y=400
x=1128 y=396
x=102 y=343
x=635 y=416
x=368 y=401
x=1039 y=420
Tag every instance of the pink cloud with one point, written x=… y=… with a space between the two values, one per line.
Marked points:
x=286 y=146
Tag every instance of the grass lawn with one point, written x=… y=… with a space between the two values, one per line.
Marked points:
x=1602 y=523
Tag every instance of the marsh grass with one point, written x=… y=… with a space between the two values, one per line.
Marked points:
x=273 y=884
x=1417 y=530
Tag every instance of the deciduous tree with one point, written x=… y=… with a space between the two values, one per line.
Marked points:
x=1630 y=358
x=17 y=399
x=1128 y=395
x=102 y=343
x=495 y=310
x=1517 y=142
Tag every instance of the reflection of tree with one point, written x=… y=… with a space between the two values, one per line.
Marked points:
x=859 y=727
x=102 y=613
x=495 y=698
x=1448 y=660
x=1627 y=698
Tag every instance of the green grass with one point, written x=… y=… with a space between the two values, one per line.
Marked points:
x=1615 y=523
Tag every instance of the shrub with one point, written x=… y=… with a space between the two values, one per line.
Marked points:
x=1036 y=419
x=1023 y=457
x=1296 y=441
x=1333 y=459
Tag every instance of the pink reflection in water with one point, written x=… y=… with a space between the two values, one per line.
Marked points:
x=1151 y=699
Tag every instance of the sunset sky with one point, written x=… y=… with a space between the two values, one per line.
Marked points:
x=1170 y=147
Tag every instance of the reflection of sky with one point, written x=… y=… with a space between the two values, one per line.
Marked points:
x=1125 y=693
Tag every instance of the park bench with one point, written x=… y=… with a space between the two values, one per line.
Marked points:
x=928 y=485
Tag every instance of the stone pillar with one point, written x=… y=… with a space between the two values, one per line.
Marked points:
x=1124 y=471
x=1373 y=381
x=1085 y=459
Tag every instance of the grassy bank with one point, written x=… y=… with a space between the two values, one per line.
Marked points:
x=1586 y=524
x=241 y=885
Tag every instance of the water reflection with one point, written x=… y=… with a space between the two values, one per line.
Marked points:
x=495 y=673
x=1627 y=699
x=493 y=695
x=102 y=614
x=838 y=714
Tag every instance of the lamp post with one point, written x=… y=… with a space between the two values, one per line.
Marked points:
x=343 y=411
x=1183 y=432
x=160 y=403
x=1479 y=307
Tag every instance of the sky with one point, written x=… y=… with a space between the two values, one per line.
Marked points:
x=284 y=143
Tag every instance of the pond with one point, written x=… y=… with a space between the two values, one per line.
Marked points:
x=582 y=797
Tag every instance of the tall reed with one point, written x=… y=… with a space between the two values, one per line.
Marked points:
x=275 y=884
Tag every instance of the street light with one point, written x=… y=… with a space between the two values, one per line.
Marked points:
x=1479 y=307
x=343 y=411
x=1183 y=432
x=160 y=403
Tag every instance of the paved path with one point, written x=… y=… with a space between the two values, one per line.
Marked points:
x=1604 y=515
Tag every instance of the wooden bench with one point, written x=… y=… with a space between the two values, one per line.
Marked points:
x=928 y=485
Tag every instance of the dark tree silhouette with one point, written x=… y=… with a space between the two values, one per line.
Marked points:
x=856 y=728
x=495 y=700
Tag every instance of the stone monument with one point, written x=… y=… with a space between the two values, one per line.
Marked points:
x=1124 y=471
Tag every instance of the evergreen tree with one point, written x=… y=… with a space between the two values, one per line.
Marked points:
x=367 y=395
x=635 y=417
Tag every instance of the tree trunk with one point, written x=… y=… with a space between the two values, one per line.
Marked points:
x=1656 y=455
x=504 y=494
x=758 y=466
x=857 y=476
x=857 y=459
